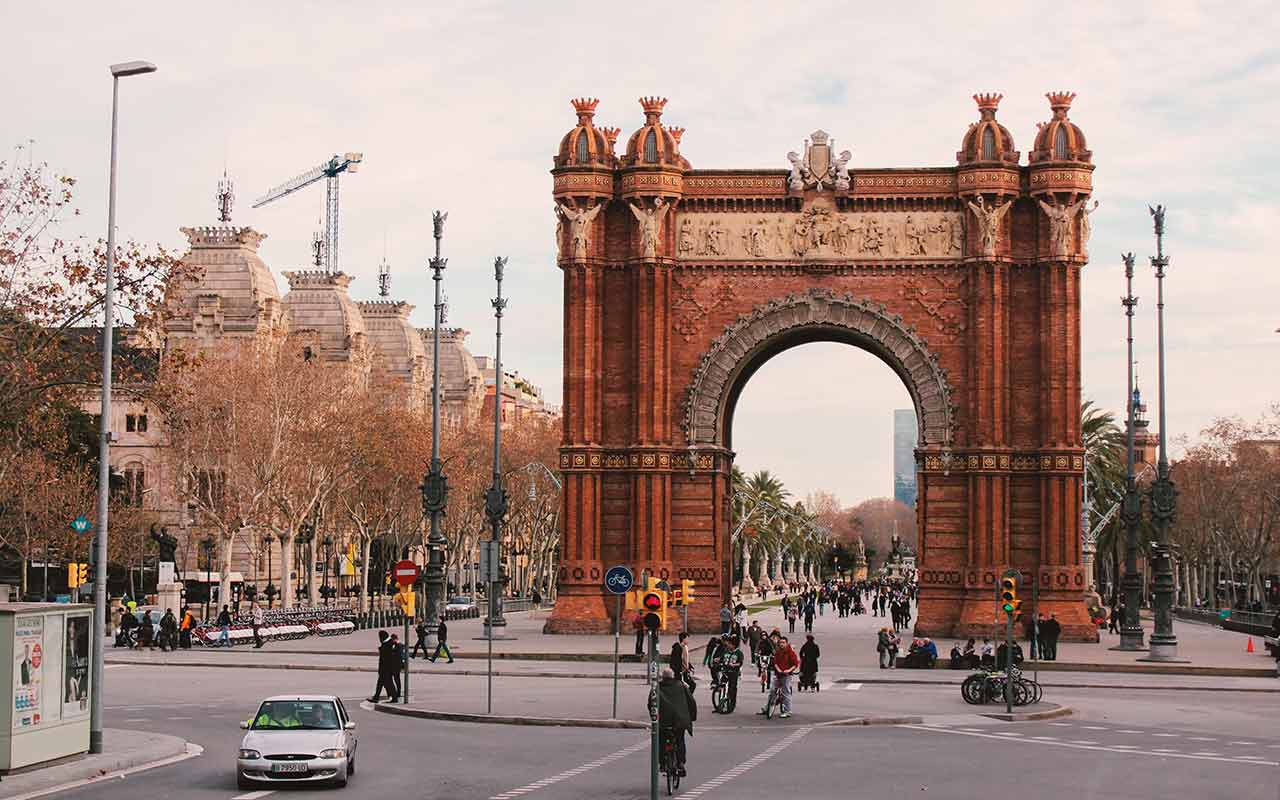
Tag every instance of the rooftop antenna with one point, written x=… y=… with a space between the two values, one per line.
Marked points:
x=225 y=197
x=384 y=270
x=319 y=246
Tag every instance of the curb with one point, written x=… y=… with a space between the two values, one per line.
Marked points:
x=1032 y=716
x=85 y=769
x=852 y=721
x=1103 y=686
x=493 y=719
x=347 y=668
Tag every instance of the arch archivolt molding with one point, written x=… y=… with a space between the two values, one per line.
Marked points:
x=870 y=324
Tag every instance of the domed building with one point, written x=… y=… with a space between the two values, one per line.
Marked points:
x=987 y=141
x=398 y=353
x=586 y=145
x=1060 y=139
x=318 y=304
x=461 y=383
x=229 y=291
x=654 y=143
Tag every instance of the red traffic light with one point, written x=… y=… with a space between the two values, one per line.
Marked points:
x=652 y=601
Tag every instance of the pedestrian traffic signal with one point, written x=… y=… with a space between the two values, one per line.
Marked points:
x=654 y=603
x=84 y=574
x=1009 y=602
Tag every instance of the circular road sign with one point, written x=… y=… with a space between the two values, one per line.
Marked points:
x=406 y=572
x=619 y=580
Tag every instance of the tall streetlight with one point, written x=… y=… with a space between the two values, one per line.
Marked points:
x=270 y=592
x=495 y=499
x=1131 y=507
x=1164 y=644
x=435 y=486
x=118 y=71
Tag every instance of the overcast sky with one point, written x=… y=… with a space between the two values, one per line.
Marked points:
x=460 y=106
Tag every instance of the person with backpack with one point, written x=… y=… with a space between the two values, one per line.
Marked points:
x=185 y=627
x=168 y=631
x=442 y=645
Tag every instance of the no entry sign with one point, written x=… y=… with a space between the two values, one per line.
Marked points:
x=406 y=572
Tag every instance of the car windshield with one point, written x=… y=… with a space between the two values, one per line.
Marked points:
x=313 y=715
x=460 y=601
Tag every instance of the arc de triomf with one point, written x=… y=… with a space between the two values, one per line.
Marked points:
x=679 y=283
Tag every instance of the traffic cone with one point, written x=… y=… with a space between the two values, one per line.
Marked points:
x=1249 y=648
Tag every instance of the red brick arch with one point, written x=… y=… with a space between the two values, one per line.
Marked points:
x=957 y=277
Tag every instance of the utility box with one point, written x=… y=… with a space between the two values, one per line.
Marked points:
x=45 y=673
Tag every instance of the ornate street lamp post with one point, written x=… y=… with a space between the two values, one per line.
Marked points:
x=1164 y=644
x=435 y=486
x=495 y=499
x=326 y=591
x=306 y=534
x=1131 y=507
x=270 y=591
x=207 y=546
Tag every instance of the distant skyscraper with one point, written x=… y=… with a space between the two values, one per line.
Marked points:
x=905 y=434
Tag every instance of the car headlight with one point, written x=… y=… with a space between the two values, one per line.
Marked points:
x=249 y=754
x=335 y=752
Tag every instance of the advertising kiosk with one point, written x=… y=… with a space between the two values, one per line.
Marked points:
x=45 y=672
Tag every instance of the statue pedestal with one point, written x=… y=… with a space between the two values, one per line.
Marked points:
x=169 y=596
x=747 y=586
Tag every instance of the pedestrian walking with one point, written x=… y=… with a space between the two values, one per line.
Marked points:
x=398 y=661
x=168 y=631
x=882 y=647
x=809 y=653
x=147 y=632
x=421 y=631
x=1117 y=616
x=1049 y=632
x=726 y=618
x=387 y=668
x=808 y=617
x=679 y=658
x=224 y=627
x=442 y=642
x=637 y=625
x=184 y=628
x=792 y=614
x=754 y=634
x=259 y=618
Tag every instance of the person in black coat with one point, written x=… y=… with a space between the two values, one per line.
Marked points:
x=442 y=642
x=677 y=711
x=809 y=654
x=388 y=666
x=1049 y=633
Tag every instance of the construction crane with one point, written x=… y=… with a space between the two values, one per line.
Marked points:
x=329 y=170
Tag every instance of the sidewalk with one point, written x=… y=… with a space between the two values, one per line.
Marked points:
x=126 y=751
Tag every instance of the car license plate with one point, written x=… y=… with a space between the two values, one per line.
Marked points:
x=299 y=766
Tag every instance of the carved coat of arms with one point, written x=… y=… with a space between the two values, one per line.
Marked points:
x=817 y=169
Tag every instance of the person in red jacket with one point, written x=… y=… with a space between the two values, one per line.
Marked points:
x=785 y=664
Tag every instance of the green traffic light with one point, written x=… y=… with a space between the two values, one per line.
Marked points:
x=1008 y=608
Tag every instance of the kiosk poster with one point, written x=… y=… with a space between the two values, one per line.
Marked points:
x=75 y=694
x=28 y=655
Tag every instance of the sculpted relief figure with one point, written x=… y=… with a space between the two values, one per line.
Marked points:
x=579 y=226
x=821 y=233
x=840 y=169
x=989 y=219
x=1059 y=227
x=650 y=225
x=685 y=241
x=799 y=172
x=1086 y=228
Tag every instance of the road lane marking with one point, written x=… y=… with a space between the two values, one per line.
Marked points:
x=853 y=687
x=254 y=795
x=1127 y=750
x=1250 y=744
x=193 y=750
x=1083 y=741
x=1202 y=738
x=567 y=774
x=1093 y=727
x=1165 y=735
x=754 y=761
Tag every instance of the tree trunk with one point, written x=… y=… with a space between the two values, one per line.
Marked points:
x=286 y=567
x=225 y=544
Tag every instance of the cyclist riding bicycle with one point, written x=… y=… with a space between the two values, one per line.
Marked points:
x=677 y=712
x=729 y=666
x=785 y=664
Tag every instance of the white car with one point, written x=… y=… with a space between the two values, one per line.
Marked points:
x=297 y=739
x=461 y=603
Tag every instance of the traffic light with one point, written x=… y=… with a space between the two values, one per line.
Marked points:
x=407 y=600
x=1009 y=602
x=83 y=577
x=654 y=603
x=686 y=592
x=73 y=575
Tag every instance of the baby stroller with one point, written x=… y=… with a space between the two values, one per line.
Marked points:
x=808 y=681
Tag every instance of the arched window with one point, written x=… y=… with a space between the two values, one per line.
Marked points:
x=1060 y=148
x=583 y=154
x=988 y=144
x=135 y=481
x=651 y=147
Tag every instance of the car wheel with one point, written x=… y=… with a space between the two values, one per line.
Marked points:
x=351 y=766
x=341 y=779
x=242 y=782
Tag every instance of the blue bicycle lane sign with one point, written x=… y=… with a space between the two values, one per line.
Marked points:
x=619 y=580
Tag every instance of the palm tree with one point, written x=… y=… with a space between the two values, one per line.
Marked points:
x=1105 y=446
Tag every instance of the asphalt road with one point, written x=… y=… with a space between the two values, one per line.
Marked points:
x=1121 y=745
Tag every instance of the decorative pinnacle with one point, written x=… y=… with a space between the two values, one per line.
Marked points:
x=586 y=108
x=652 y=107
x=1060 y=102
x=1157 y=214
x=611 y=136
x=676 y=133
x=498 y=264
x=437 y=223
x=988 y=102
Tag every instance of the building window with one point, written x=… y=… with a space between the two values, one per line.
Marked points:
x=142 y=423
x=651 y=147
x=1060 y=150
x=129 y=423
x=988 y=144
x=583 y=154
x=306 y=353
x=135 y=481
x=135 y=423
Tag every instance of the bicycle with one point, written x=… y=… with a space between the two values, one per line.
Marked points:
x=765 y=664
x=720 y=699
x=775 y=695
x=667 y=760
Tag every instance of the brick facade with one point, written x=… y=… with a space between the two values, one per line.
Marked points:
x=679 y=283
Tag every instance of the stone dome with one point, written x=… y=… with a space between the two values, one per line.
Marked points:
x=1060 y=139
x=318 y=302
x=461 y=382
x=587 y=145
x=230 y=289
x=987 y=141
x=398 y=351
x=654 y=143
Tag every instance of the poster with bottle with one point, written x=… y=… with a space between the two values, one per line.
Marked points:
x=75 y=695
x=28 y=656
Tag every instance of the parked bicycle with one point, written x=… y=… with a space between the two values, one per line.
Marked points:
x=988 y=686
